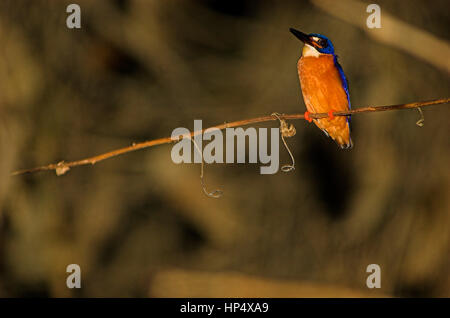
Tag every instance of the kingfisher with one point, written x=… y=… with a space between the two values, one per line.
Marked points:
x=324 y=86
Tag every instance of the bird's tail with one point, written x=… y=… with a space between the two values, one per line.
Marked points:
x=347 y=146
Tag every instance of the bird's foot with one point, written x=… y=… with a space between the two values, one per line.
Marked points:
x=307 y=117
x=331 y=114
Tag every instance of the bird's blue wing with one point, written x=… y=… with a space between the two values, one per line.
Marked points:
x=344 y=83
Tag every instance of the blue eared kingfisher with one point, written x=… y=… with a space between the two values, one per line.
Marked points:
x=324 y=86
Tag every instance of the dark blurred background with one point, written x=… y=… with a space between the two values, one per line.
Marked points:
x=140 y=225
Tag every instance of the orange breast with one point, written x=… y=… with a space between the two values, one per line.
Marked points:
x=323 y=92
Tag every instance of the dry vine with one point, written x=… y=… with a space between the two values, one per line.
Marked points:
x=62 y=167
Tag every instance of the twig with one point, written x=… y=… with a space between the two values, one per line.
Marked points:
x=62 y=167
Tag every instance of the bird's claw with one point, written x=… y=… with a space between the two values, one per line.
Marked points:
x=307 y=117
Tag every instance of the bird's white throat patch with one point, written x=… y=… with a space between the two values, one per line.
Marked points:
x=308 y=50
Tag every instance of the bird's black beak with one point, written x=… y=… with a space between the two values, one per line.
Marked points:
x=301 y=36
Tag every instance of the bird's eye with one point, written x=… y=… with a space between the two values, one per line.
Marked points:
x=322 y=43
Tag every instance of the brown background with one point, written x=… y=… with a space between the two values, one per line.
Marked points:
x=139 y=225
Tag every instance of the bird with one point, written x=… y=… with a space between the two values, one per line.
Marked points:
x=324 y=86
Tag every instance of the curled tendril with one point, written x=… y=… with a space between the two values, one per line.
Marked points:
x=286 y=131
x=211 y=194
x=421 y=121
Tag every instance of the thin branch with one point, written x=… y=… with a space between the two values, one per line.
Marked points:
x=62 y=167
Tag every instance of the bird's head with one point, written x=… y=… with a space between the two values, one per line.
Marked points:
x=316 y=42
